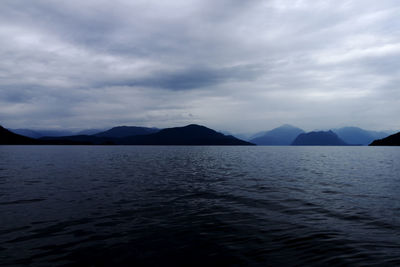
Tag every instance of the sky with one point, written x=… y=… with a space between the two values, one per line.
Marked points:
x=232 y=65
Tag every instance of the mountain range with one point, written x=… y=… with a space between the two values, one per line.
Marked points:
x=9 y=138
x=286 y=134
x=358 y=136
x=44 y=132
x=193 y=135
x=123 y=135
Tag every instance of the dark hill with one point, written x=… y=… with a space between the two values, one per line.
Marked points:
x=187 y=135
x=10 y=138
x=321 y=138
x=392 y=140
x=125 y=131
x=281 y=136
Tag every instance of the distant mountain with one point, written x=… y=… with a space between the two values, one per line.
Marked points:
x=188 y=135
x=125 y=131
x=41 y=133
x=281 y=136
x=392 y=140
x=358 y=136
x=9 y=138
x=89 y=131
x=321 y=138
x=78 y=139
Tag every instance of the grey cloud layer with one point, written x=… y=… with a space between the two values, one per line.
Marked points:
x=235 y=65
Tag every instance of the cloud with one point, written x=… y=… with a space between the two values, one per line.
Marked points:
x=233 y=65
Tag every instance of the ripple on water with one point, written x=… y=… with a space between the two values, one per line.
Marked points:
x=199 y=206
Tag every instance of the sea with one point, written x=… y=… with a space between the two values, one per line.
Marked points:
x=199 y=206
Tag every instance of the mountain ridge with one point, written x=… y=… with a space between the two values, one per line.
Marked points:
x=280 y=136
x=191 y=134
x=391 y=140
x=125 y=131
x=358 y=136
x=187 y=135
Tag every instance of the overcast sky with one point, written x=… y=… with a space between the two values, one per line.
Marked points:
x=234 y=65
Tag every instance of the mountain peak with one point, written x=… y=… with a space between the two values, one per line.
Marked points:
x=281 y=136
x=125 y=131
x=287 y=126
x=191 y=134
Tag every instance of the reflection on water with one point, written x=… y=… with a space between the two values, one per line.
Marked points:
x=199 y=205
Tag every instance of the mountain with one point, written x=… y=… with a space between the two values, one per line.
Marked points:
x=392 y=140
x=355 y=135
x=125 y=131
x=89 y=131
x=78 y=140
x=281 y=136
x=9 y=138
x=59 y=133
x=40 y=133
x=188 y=135
x=321 y=138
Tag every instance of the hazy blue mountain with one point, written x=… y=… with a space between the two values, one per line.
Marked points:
x=41 y=133
x=241 y=136
x=358 y=136
x=320 y=138
x=187 y=135
x=89 y=131
x=79 y=139
x=392 y=140
x=281 y=136
x=37 y=133
x=125 y=131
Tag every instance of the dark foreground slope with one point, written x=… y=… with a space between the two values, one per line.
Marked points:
x=10 y=138
x=281 y=136
x=187 y=135
x=392 y=140
x=321 y=138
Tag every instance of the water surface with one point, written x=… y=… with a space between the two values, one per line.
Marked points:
x=124 y=205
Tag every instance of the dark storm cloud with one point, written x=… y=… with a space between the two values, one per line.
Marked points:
x=193 y=78
x=229 y=64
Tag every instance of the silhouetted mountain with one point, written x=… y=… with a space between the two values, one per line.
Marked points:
x=281 y=136
x=125 y=131
x=58 y=133
x=355 y=135
x=9 y=138
x=79 y=139
x=392 y=140
x=187 y=135
x=321 y=138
